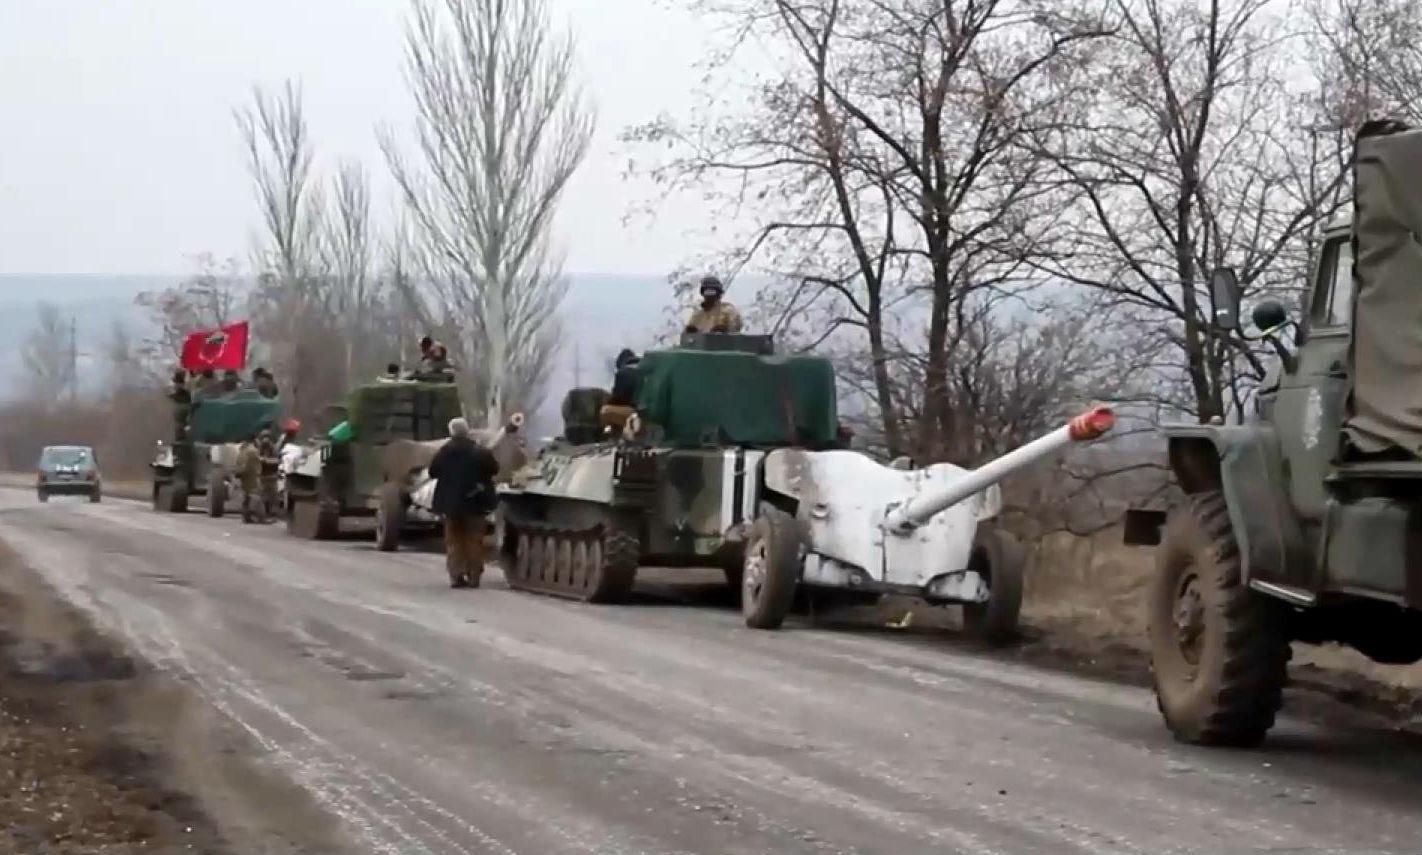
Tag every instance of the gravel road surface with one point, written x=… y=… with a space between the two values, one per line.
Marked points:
x=429 y=720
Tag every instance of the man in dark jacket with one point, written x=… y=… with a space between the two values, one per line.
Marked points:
x=464 y=495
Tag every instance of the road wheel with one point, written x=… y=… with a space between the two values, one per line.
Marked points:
x=43 y=494
x=177 y=500
x=216 y=494
x=1000 y=560
x=389 y=517
x=158 y=499
x=310 y=520
x=771 y=569
x=612 y=570
x=1219 y=651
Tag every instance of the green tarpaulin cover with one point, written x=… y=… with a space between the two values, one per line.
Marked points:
x=233 y=418
x=1385 y=406
x=699 y=397
x=382 y=412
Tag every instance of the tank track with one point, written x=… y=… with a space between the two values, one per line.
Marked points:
x=592 y=565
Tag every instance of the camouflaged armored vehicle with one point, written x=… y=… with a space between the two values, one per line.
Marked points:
x=384 y=434
x=1302 y=524
x=673 y=481
x=199 y=460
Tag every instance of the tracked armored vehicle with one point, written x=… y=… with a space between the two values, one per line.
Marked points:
x=383 y=434
x=732 y=458
x=669 y=482
x=199 y=460
x=1301 y=524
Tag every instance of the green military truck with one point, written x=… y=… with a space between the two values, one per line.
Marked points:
x=1304 y=524
x=198 y=461
x=384 y=433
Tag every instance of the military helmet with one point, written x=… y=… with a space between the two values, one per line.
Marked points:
x=711 y=282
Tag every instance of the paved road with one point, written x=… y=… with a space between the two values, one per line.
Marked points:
x=431 y=720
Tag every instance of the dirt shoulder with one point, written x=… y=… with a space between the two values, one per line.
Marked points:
x=100 y=753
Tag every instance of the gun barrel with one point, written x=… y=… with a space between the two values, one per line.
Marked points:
x=918 y=510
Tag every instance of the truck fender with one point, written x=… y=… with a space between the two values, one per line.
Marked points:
x=1245 y=463
x=784 y=476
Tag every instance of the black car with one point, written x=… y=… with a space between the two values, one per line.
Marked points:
x=68 y=470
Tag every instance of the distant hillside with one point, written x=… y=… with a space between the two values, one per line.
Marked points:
x=602 y=314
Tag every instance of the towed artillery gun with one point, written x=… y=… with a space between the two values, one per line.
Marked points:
x=1302 y=523
x=732 y=458
x=200 y=461
x=343 y=474
x=408 y=492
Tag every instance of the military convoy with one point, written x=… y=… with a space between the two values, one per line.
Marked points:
x=1302 y=524
x=200 y=459
x=732 y=457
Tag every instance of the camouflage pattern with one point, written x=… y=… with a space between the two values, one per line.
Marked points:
x=719 y=317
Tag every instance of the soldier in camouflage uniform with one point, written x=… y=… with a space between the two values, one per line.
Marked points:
x=270 y=462
x=182 y=403
x=714 y=315
x=249 y=475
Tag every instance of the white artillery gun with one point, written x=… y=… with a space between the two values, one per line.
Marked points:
x=410 y=498
x=839 y=520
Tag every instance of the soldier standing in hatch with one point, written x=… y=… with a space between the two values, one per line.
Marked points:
x=714 y=315
x=264 y=383
x=208 y=385
x=182 y=403
x=464 y=473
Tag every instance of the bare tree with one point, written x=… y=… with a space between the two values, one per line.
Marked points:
x=1195 y=150
x=1371 y=64
x=500 y=127
x=289 y=294
x=208 y=299
x=888 y=162
x=353 y=293
x=48 y=355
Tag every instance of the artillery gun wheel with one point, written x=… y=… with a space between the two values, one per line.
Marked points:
x=389 y=517
x=772 y=569
x=169 y=498
x=311 y=520
x=1000 y=560
x=597 y=565
x=216 y=494
x=1219 y=651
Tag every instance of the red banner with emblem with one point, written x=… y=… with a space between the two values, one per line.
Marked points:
x=221 y=349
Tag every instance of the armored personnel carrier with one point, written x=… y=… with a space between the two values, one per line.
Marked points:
x=382 y=435
x=669 y=482
x=197 y=462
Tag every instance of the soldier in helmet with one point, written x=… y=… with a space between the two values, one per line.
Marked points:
x=264 y=383
x=714 y=315
x=267 y=482
x=249 y=476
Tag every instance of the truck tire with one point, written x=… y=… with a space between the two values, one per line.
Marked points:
x=96 y=496
x=389 y=517
x=216 y=495
x=771 y=570
x=310 y=520
x=43 y=494
x=1000 y=560
x=1219 y=651
x=168 y=498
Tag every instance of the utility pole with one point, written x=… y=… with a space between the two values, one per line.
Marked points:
x=73 y=360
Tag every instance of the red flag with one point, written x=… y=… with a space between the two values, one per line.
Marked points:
x=220 y=349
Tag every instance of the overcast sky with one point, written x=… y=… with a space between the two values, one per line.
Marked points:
x=119 y=153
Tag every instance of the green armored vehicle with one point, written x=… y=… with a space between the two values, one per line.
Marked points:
x=1303 y=523
x=672 y=481
x=198 y=460
x=384 y=434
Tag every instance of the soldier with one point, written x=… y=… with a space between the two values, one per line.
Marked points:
x=249 y=475
x=624 y=379
x=208 y=385
x=714 y=315
x=264 y=383
x=182 y=403
x=270 y=463
x=464 y=473
x=231 y=381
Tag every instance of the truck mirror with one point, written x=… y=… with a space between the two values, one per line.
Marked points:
x=1269 y=315
x=1224 y=291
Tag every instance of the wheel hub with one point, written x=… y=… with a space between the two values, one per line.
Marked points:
x=753 y=572
x=1189 y=619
